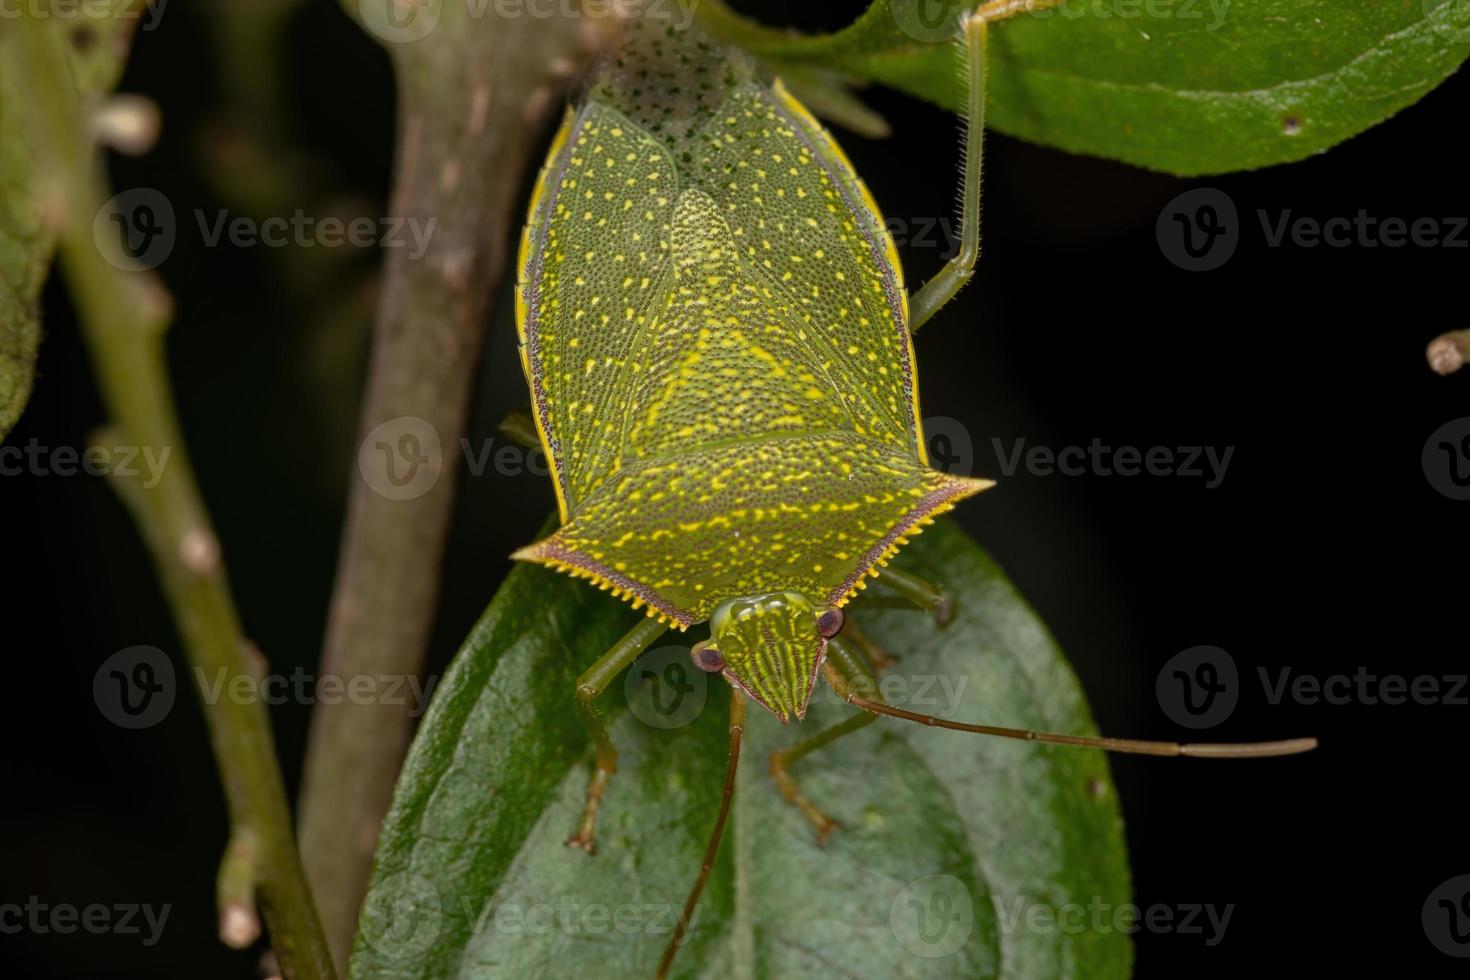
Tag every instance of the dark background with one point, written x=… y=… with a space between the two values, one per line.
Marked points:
x=1325 y=548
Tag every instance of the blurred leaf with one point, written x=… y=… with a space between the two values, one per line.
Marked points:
x=97 y=47
x=473 y=880
x=24 y=253
x=20 y=328
x=1184 y=86
x=830 y=97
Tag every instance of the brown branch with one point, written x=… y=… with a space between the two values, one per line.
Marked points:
x=473 y=94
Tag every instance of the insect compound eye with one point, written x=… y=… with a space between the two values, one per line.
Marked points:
x=829 y=624
x=706 y=657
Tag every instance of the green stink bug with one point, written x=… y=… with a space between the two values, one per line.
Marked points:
x=716 y=334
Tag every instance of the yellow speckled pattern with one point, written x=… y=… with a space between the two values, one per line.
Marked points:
x=728 y=359
x=792 y=217
x=807 y=514
x=594 y=276
x=714 y=331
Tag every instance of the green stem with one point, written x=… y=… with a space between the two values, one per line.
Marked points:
x=123 y=314
x=239 y=926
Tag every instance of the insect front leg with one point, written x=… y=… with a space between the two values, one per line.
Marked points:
x=879 y=660
x=907 y=591
x=848 y=662
x=589 y=686
x=928 y=300
x=917 y=592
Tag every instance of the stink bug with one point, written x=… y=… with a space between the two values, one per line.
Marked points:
x=716 y=333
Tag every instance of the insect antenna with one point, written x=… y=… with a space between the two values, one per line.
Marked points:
x=1214 y=750
x=737 y=728
x=1205 y=750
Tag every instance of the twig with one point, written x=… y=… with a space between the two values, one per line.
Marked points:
x=123 y=316
x=1448 y=352
x=239 y=926
x=473 y=94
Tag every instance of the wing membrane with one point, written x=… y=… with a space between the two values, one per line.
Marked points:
x=804 y=220
x=594 y=267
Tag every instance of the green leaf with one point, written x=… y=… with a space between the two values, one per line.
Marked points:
x=1184 y=86
x=472 y=878
x=97 y=46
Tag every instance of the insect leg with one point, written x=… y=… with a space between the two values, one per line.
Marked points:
x=879 y=660
x=520 y=428
x=781 y=760
x=589 y=686
x=919 y=593
x=927 y=301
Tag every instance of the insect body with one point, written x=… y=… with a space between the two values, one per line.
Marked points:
x=715 y=329
x=716 y=334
